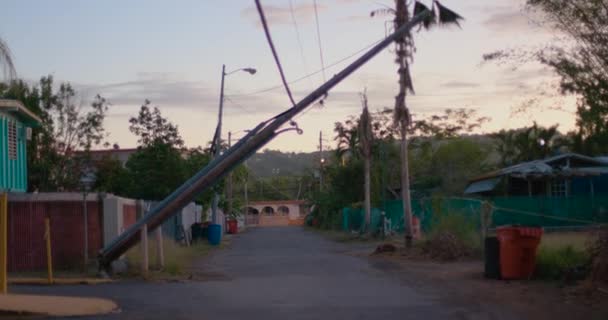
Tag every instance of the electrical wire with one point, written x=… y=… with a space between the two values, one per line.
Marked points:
x=298 y=38
x=310 y=74
x=319 y=39
x=274 y=51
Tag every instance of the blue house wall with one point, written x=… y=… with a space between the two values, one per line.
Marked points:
x=13 y=170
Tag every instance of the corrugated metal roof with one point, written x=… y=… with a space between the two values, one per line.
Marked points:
x=482 y=186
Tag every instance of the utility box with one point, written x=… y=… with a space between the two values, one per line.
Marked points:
x=16 y=123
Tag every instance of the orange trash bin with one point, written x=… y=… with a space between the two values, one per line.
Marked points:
x=518 y=247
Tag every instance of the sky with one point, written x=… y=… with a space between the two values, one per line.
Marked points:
x=171 y=52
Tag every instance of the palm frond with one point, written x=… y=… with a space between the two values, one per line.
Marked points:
x=6 y=61
x=447 y=16
x=420 y=8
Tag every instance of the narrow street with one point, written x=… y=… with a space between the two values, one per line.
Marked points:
x=284 y=273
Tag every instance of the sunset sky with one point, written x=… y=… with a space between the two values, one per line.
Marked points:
x=171 y=52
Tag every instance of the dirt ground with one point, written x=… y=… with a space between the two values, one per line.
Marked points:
x=465 y=282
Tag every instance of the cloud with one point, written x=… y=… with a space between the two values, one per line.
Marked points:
x=459 y=84
x=503 y=20
x=281 y=15
x=168 y=91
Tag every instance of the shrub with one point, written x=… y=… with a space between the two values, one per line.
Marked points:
x=452 y=236
x=562 y=262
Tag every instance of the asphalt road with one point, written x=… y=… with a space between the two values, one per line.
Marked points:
x=285 y=273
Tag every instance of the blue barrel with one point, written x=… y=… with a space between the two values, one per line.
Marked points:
x=214 y=234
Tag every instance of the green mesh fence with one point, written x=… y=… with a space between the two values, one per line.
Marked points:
x=531 y=211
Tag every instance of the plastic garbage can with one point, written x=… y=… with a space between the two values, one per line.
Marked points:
x=518 y=247
x=214 y=234
x=233 y=226
x=492 y=258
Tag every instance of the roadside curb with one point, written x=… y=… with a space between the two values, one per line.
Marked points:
x=60 y=281
x=55 y=306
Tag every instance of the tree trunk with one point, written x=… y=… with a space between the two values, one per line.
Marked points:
x=405 y=186
x=368 y=207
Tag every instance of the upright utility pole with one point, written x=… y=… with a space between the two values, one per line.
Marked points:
x=321 y=160
x=229 y=182
x=217 y=142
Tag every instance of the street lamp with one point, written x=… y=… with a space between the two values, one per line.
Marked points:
x=218 y=132
x=86 y=181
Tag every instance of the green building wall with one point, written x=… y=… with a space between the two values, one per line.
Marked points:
x=13 y=172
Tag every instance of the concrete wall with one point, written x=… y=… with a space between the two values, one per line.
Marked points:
x=114 y=215
x=293 y=215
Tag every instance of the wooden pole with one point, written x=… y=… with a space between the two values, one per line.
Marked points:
x=160 y=253
x=144 y=250
x=3 y=241
x=49 y=255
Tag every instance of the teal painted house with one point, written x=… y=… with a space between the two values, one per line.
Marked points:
x=16 y=122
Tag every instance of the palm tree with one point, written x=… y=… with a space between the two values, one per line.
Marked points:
x=347 y=137
x=365 y=137
x=6 y=61
x=402 y=118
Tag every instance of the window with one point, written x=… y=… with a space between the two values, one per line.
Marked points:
x=558 y=188
x=12 y=140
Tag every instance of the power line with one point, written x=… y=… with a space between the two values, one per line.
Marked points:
x=295 y=26
x=274 y=51
x=308 y=75
x=236 y=104
x=319 y=39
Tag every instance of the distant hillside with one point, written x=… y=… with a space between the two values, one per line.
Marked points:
x=276 y=163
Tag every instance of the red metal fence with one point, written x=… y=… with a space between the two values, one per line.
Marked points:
x=26 y=246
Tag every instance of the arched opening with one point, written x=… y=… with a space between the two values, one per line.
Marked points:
x=253 y=216
x=268 y=211
x=283 y=210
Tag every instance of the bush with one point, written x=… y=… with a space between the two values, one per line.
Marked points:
x=452 y=236
x=563 y=262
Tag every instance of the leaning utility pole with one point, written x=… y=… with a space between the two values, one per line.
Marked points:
x=253 y=141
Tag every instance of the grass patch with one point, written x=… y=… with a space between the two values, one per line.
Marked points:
x=563 y=256
x=178 y=258
x=565 y=262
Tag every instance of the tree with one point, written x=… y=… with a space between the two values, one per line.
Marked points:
x=158 y=167
x=60 y=146
x=527 y=144
x=581 y=62
x=6 y=60
x=455 y=162
x=449 y=124
x=156 y=170
x=151 y=128
x=112 y=177
x=583 y=68
x=404 y=55
x=366 y=136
